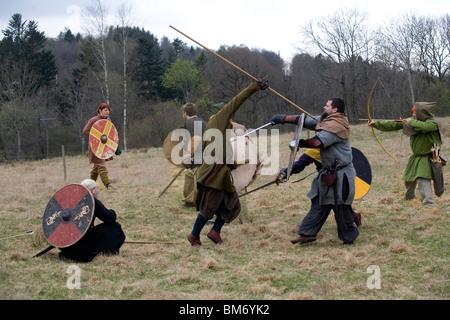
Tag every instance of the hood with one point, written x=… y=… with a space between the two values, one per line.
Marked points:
x=424 y=110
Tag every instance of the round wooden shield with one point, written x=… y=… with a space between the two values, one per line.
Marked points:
x=170 y=144
x=363 y=177
x=103 y=139
x=68 y=215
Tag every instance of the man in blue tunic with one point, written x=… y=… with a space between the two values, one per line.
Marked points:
x=334 y=186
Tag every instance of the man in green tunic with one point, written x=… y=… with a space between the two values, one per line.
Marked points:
x=216 y=193
x=424 y=132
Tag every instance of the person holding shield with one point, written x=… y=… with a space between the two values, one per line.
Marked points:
x=192 y=123
x=99 y=168
x=310 y=156
x=334 y=186
x=106 y=237
x=216 y=194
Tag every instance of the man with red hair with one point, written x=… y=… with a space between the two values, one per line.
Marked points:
x=99 y=168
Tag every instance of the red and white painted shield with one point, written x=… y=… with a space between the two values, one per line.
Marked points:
x=68 y=215
x=103 y=139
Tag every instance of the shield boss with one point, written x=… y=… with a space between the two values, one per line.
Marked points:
x=103 y=139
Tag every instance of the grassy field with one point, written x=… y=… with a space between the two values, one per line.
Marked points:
x=407 y=244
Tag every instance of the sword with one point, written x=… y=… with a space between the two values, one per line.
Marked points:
x=275 y=181
x=165 y=189
x=260 y=187
x=254 y=130
x=304 y=177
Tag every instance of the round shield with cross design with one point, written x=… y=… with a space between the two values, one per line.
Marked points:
x=68 y=215
x=103 y=139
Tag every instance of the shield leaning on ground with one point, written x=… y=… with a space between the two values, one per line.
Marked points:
x=68 y=215
x=363 y=170
x=103 y=139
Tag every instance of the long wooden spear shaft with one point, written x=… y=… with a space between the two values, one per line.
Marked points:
x=126 y=241
x=243 y=71
x=149 y=242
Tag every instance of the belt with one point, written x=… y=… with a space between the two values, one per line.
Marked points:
x=337 y=168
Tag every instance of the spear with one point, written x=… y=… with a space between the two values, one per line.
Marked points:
x=126 y=241
x=18 y=235
x=244 y=72
x=149 y=242
x=254 y=130
x=170 y=183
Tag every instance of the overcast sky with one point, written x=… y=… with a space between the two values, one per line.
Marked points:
x=265 y=24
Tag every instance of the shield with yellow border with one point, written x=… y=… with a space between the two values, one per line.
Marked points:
x=103 y=139
x=363 y=170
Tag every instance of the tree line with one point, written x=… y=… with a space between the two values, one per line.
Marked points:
x=50 y=87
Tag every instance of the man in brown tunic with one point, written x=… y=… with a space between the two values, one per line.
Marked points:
x=216 y=193
x=99 y=168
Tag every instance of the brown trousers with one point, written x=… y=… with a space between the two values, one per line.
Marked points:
x=100 y=169
x=223 y=204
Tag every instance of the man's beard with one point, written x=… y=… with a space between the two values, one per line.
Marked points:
x=323 y=116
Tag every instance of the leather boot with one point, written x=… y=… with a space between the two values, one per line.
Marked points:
x=304 y=239
x=194 y=241
x=214 y=236
x=357 y=219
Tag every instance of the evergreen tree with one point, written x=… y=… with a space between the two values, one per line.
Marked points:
x=148 y=67
x=26 y=64
x=27 y=69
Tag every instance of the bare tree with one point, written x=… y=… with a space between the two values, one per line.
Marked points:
x=123 y=14
x=398 y=39
x=343 y=38
x=432 y=49
x=96 y=26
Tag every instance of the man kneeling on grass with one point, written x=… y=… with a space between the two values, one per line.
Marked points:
x=106 y=237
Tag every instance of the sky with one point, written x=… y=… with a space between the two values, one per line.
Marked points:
x=272 y=25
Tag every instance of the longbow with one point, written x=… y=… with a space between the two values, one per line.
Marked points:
x=370 y=119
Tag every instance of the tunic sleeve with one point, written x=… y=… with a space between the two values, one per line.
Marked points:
x=89 y=124
x=104 y=214
x=423 y=126
x=388 y=125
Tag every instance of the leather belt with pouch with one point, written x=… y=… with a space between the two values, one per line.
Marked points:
x=330 y=177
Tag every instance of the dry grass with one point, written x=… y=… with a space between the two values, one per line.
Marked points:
x=408 y=243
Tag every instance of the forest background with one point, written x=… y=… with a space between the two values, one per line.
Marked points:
x=50 y=87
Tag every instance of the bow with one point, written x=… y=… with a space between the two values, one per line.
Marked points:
x=370 y=119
